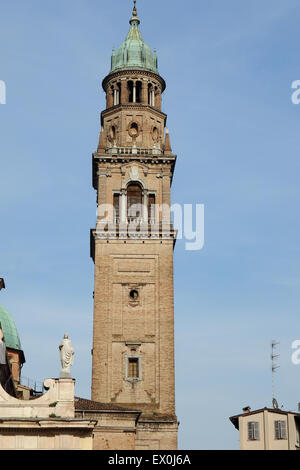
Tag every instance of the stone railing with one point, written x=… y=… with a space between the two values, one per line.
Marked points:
x=134 y=230
x=133 y=151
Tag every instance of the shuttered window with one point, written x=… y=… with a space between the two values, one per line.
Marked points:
x=253 y=431
x=133 y=368
x=280 y=430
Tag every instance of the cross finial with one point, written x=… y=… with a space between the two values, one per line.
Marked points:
x=134 y=8
x=134 y=14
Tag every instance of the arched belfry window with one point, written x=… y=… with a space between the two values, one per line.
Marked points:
x=138 y=92
x=134 y=202
x=130 y=91
x=134 y=91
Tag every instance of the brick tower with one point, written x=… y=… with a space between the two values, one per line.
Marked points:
x=132 y=247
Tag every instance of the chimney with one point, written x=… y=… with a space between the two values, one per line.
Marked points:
x=247 y=409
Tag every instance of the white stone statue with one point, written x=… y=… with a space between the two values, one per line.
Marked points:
x=66 y=353
x=2 y=348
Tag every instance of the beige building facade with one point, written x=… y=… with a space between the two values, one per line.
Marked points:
x=58 y=420
x=46 y=423
x=268 y=429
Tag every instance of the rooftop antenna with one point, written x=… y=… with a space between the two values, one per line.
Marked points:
x=275 y=366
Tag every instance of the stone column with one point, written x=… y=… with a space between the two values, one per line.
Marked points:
x=134 y=91
x=145 y=207
x=101 y=191
x=123 y=215
x=152 y=98
x=118 y=96
x=166 y=200
x=115 y=95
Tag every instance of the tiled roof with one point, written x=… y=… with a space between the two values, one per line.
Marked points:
x=134 y=52
x=235 y=419
x=82 y=404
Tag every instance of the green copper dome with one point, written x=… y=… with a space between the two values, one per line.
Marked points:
x=9 y=329
x=134 y=52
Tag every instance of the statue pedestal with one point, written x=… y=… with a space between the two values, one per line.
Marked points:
x=65 y=397
x=65 y=374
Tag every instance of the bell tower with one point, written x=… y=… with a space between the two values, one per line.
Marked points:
x=132 y=246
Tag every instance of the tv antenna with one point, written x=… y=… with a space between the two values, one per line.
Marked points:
x=275 y=366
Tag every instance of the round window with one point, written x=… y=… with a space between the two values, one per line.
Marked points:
x=134 y=130
x=134 y=294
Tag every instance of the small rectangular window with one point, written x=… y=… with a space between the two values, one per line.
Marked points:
x=133 y=368
x=280 y=430
x=253 y=431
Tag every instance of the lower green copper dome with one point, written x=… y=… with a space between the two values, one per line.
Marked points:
x=134 y=52
x=11 y=335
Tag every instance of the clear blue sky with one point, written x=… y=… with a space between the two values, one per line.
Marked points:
x=229 y=68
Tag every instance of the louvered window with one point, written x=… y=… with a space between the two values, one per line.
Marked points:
x=280 y=430
x=130 y=91
x=133 y=368
x=253 y=431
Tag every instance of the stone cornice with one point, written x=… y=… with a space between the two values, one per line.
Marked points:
x=123 y=159
x=124 y=73
x=135 y=106
x=104 y=237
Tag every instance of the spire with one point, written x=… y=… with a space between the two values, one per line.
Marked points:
x=134 y=32
x=113 y=58
x=101 y=145
x=134 y=15
x=134 y=52
x=167 y=147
